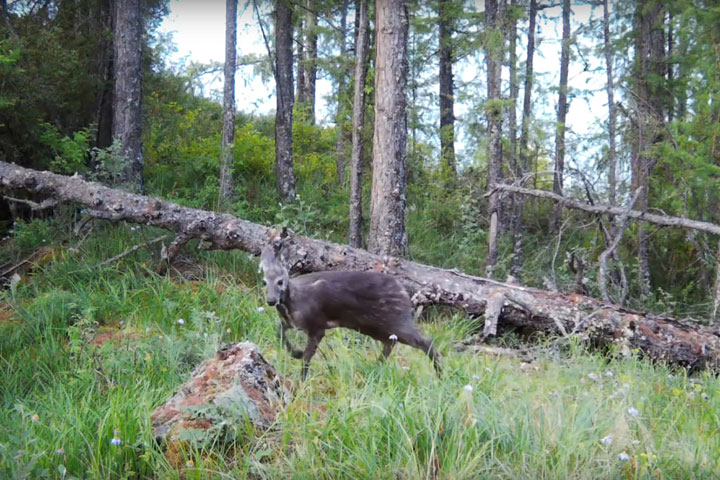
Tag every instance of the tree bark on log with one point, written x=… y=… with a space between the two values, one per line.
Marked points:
x=527 y=310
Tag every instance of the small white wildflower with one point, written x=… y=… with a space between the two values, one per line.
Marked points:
x=468 y=388
x=476 y=377
x=181 y=321
x=60 y=451
x=260 y=309
x=592 y=376
x=606 y=440
x=147 y=330
x=115 y=441
x=623 y=457
x=583 y=381
x=189 y=464
x=633 y=412
x=35 y=417
x=393 y=338
x=609 y=374
x=488 y=369
x=228 y=330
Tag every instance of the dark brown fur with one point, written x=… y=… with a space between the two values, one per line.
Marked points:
x=371 y=303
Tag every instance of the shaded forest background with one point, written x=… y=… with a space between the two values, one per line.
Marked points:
x=663 y=80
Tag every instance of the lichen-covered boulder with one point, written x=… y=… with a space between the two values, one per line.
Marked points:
x=236 y=386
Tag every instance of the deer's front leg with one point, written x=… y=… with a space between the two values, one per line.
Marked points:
x=282 y=334
x=314 y=339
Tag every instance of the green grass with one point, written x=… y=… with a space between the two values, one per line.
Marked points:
x=354 y=418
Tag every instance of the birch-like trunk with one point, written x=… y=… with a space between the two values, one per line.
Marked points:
x=493 y=59
x=284 y=98
x=228 y=127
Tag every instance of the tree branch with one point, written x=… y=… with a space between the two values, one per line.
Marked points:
x=664 y=220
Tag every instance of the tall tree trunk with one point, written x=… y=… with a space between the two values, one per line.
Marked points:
x=446 y=15
x=103 y=138
x=387 y=203
x=228 y=128
x=310 y=71
x=493 y=57
x=340 y=162
x=612 y=162
x=301 y=93
x=514 y=88
x=362 y=41
x=670 y=73
x=524 y=162
x=562 y=109
x=127 y=93
x=516 y=209
x=649 y=63
x=284 y=94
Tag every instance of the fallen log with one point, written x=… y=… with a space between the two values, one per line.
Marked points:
x=524 y=309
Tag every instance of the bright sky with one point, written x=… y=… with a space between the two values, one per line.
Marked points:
x=199 y=34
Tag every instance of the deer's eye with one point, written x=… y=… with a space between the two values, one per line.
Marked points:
x=280 y=283
x=264 y=283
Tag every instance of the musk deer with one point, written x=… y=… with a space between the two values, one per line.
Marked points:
x=371 y=303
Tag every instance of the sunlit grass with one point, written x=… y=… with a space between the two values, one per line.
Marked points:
x=62 y=397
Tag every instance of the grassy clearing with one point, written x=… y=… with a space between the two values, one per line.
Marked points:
x=85 y=352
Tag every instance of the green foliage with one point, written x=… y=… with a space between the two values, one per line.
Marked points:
x=30 y=235
x=69 y=152
x=301 y=217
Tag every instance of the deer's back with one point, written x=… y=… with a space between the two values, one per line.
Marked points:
x=370 y=302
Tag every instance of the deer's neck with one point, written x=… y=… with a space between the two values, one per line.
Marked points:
x=285 y=307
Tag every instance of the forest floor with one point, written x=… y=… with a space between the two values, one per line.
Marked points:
x=87 y=351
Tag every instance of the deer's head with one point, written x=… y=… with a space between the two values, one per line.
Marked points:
x=276 y=279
